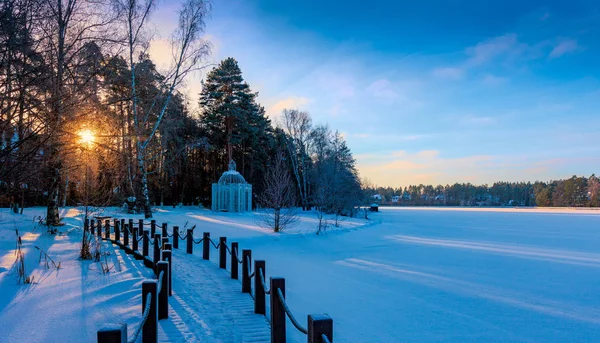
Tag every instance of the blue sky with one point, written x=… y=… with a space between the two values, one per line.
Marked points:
x=426 y=91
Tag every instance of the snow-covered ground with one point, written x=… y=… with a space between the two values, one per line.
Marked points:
x=438 y=275
x=68 y=304
x=407 y=275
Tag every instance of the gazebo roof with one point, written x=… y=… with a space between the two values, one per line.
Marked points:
x=231 y=176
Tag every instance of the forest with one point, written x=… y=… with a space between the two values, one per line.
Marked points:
x=577 y=191
x=88 y=118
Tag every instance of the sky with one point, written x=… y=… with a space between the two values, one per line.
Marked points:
x=431 y=92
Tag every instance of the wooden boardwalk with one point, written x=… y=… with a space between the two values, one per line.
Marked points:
x=208 y=306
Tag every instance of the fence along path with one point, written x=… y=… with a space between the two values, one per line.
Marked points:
x=222 y=313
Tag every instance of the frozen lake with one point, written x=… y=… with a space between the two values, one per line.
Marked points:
x=447 y=276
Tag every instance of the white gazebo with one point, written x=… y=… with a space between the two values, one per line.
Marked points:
x=232 y=193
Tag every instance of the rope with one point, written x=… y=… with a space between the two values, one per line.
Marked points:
x=289 y=313
x=249 y=275
x=151 y=241
x=324 y=338
x=171 y=235
x=140 y=238
x=144 y=318
x=160 y=279
x=227 y=248
x=182 y=238
x=201 y=239
x=262 y=281
x=213 y=243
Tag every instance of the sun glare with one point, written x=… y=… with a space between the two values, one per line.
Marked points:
x=86 y=137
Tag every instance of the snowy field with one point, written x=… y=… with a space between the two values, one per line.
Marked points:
x=407 y=275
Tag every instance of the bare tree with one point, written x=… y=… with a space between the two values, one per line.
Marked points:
x=188 y=50
x=279 y=196
x=298 y=126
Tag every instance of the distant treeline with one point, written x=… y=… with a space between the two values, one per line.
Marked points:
x=577 y=191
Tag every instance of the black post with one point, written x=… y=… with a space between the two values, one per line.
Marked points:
x=149 y=331
x=190 y=241
x=145 y=243
x=122 y=223
x=134 y=239
x=140 y=227
x=164 y=229
x=206 y=246
x=113 y=333
x=163 y=292
x=153 y=227
x=167 y=256
x=107 y=229
x=176 y=237
x=319 y=324
x=234 y=260
x=115 y=223
x=126 y=235
x=164 y=241
x=131 y=229
x=246 y=256
x=259 y=290
x=92 y=224
x=157 y=243
x=222 y=252
x=277 y=311
x=117 y=232
x=86 y=224
x=99 y=229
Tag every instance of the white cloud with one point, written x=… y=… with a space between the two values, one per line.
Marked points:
x=448 y=73
x=292 y=102
x=492 y=80
x=382 y=88
x=563 y=47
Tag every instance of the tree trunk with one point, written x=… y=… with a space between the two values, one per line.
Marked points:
x=144 y=184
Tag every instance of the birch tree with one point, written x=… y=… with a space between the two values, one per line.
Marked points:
x=298 y=126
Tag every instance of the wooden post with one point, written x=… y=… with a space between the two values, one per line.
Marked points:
x=190 y=241
x=126 y=235
x=319 y=324
x=259 y=290
x=176 y=237
x=164 y=241
x=113 y=333
x=152 y=227
x=140 y=227
x=246 y=256
x=167 y=256
x=277 y=311
x=157 y=244
x=86 y=224
x=149 y=330
x=122 y=223
x=92 y=224
x=107 y=229
x=115 y=223
x=145 y=243
x=222 y=252
x=131 y=228
x=117 y=232
x=163 y=292
x=206 y=246
x=234 y=260
x=134 y=239
x=164 y=230
x=99 y=229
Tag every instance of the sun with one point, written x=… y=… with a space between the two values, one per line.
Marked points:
x=86 y=136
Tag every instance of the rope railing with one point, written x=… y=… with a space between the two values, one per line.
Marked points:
x=227 y=248
x=213 y=243
x=250 y=275
x=198 y=242
x=144 y=318
x=262 y=281
x=324 y=338
x=290 y=314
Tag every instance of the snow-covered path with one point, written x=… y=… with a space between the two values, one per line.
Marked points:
x=208 y=306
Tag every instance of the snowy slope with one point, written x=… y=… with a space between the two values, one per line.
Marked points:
x=69 y=304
